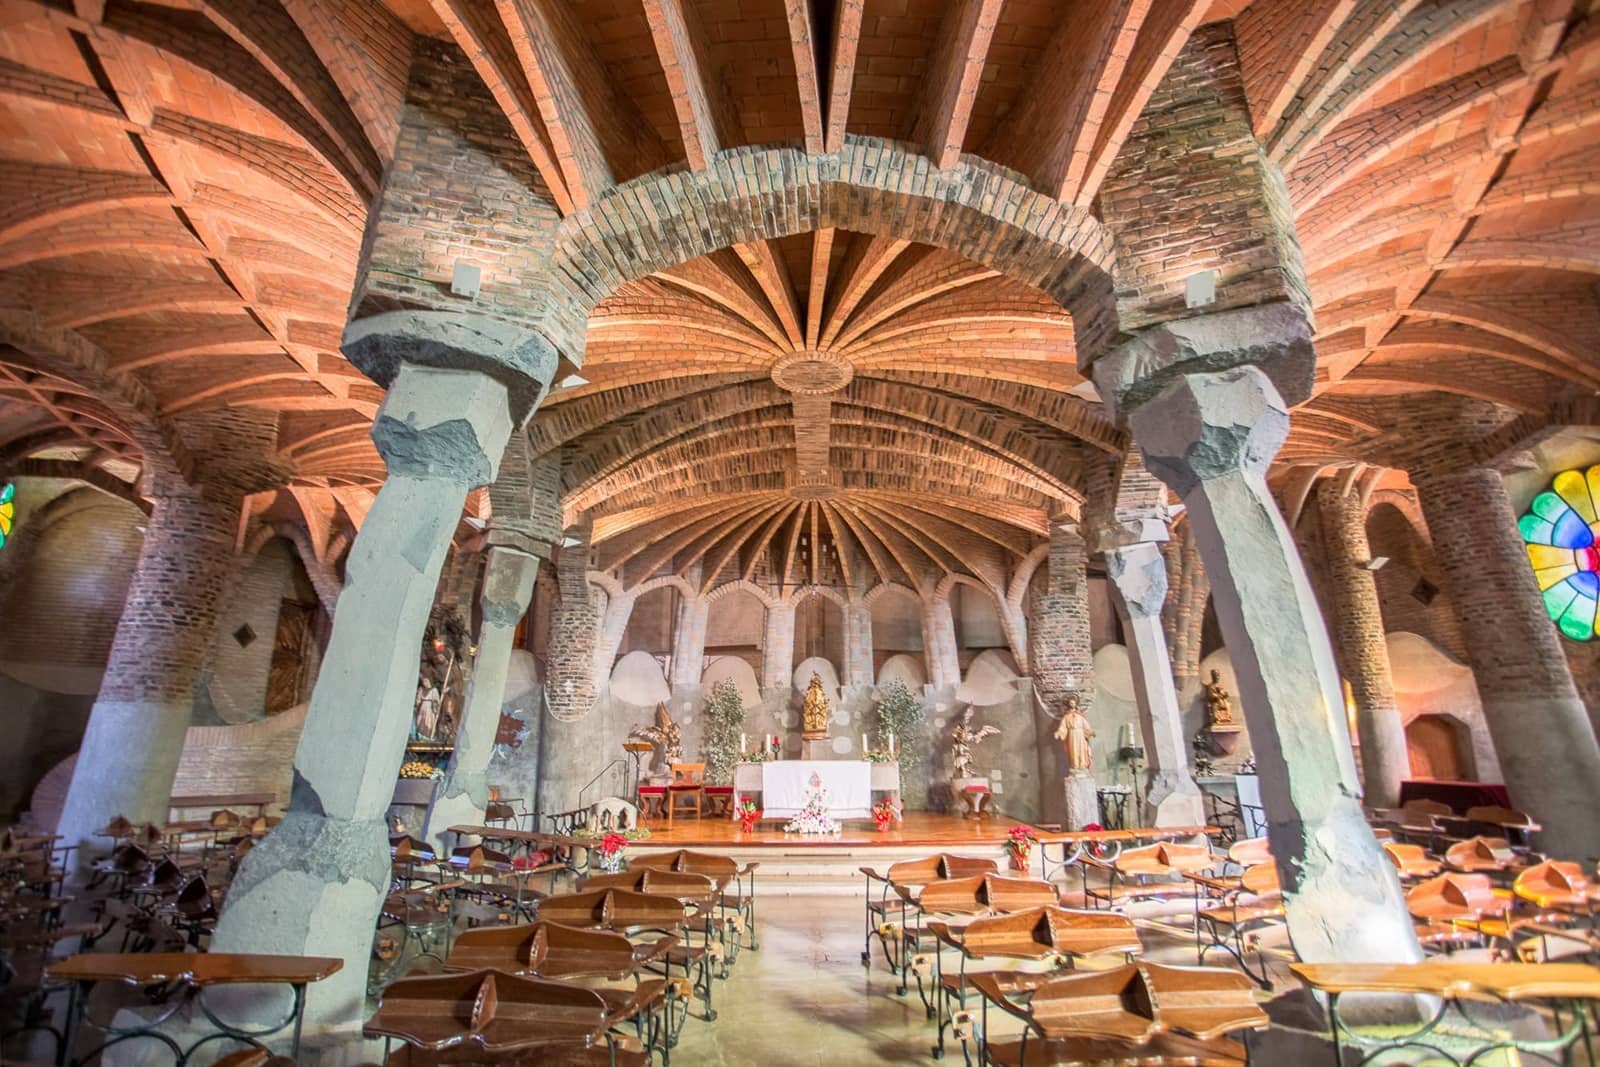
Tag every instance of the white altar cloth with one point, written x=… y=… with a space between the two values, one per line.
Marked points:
x=784 y=784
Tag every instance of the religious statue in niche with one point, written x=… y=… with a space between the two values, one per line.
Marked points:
x=1219 y=704
x=814 y=712
x=1075 y=733
x=962 y=741
x=664 y=735
x=441 y=683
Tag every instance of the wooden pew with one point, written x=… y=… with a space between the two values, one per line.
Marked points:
x=910 y=874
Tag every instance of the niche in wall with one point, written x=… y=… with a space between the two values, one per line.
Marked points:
x=1434 y=745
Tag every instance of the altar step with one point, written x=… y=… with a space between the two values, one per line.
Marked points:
x=827 y=870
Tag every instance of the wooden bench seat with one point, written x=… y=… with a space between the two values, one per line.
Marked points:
x=1164 y=1050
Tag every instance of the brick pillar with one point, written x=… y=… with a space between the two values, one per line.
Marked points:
x=1360 y=645
x=1138 y=590
x=1063 y=662
x=570 y=741
x=464 y=794
x=857 y=646
x=136 y=730
x=315 y=884
x=1547 y=749
x=939 y=641
x=1183 y=617
x=1210 y=435
x=777 y=649
x=689 y=642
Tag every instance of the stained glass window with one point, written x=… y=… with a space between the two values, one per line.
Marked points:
x=8 y=511
x=1559 y=528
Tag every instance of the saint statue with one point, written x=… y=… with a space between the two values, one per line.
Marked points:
x=814 y=714
x=1219 y=705
x=664 y=735
x=426 y=716
x=962 y=741
x=1075 y=733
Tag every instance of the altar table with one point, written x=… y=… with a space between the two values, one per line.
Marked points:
x=783 y=784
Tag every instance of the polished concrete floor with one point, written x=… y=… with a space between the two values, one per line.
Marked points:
x=805 y=998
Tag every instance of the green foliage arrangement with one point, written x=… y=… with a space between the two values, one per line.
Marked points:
x=900 y=714
x=724 y=716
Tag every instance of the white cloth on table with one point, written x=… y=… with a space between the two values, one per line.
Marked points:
x=785 y=783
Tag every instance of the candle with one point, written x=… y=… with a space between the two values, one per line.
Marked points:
x=892 y=748
x=741 y=744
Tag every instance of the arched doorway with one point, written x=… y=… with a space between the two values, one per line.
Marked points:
x=1434 y=745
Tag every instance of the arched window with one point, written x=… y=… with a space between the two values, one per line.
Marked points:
x=8 y=511
x=1559 y=528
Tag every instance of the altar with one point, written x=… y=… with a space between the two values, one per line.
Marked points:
x=782 y=785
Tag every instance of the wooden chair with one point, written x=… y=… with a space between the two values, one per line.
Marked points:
x=911 y=874
x=1141 y=1013
x=551 y=950
x=1150 y=872
x=688 y=784
x=1480 y=855
x=1410 y=861
x=736 y=882
x=1450 y=909
x=1234 y=912
x=1557 y=886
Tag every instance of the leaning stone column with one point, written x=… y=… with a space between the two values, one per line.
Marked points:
x=1361 y=646
x=464 y=794
x=689 y=643
x=1139 y=580
x=939 y=643
x=1547 y=749
x=1204 y=401
x=857 y=646
x=135 y=735
x=777 y=650
x=315 y=884
x=1060 y=655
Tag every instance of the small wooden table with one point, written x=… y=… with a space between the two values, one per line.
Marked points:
x=192 y=973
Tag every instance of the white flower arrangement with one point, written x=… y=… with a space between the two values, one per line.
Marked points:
x=814 y=817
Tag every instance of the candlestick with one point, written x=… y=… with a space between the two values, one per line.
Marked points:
x=741 y=744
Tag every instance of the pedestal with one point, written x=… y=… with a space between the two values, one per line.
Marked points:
x=817 y=748
x=1083 y=806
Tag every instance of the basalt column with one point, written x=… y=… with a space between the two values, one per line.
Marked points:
x=315 y=884
x=1060 y=653
x=1139 y=583
x=1205 y=398
x=135 y=735
x=1360 y=643
x=1541 y=732
x=464 y=794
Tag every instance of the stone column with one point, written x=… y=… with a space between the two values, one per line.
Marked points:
x=1547 y=749
x=136 y=729
x=689 y=643
x=777 y=650
x=857 y=646
x=1139 y=589
x=464 y=794
x=1061 y=656
x=939 y=641
x=1204 y=402
x=1359 y=642
x=614 y=627
x=315 y=884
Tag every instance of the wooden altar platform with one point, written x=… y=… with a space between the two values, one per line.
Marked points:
x=920 y=829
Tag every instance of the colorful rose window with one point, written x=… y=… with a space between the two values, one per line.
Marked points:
x=8 y=512
x=1559 y=528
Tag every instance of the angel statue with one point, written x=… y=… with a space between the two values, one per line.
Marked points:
x=664 y=735
x=962 y=741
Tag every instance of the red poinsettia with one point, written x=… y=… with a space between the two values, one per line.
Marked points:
x=612 y=843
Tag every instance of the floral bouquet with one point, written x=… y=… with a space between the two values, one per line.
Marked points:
x=1096 y=848
x=885 y=812
x=814 y=817
x=610 y=851
x=1019 y=845
x=748 y=814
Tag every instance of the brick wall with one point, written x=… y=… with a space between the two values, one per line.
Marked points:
x=1192 y=190
x=1390 y=533
x=574 y=628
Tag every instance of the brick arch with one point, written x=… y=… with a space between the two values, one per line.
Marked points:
x=951 y=579
x=871 y=186
x=742 y=585
x=1407 y=505
x=823 y=591
x=883 y=589
x=676 y=581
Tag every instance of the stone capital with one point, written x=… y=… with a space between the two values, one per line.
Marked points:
x=443 y=424
x=1274 y=337
x=1209 y=425
x=1140 y=575
x=508 y=577
x=522 y=361
x=1133 y=526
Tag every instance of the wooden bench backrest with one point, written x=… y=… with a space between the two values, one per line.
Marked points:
x=957 y=896
x=1016 y=894
x=1495 y=815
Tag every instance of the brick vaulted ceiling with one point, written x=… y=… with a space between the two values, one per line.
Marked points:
x=186 y=184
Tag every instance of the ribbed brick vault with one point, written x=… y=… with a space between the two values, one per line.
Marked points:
x=187 y=185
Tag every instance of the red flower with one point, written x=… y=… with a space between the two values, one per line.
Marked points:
x=612 y=843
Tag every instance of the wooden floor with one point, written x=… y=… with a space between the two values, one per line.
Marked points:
x=920 y=829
